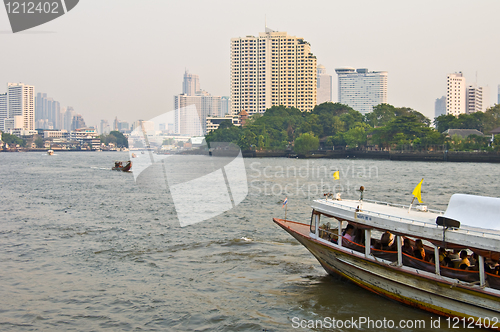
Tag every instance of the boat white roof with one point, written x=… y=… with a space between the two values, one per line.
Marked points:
x=475 y=211
x=479 y=228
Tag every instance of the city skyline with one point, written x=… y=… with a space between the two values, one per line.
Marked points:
x=140 y=63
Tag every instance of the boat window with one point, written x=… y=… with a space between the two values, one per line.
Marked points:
x=461 y=264
x=328 y=228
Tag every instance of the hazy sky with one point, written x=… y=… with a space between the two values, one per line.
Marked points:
x=126 y=58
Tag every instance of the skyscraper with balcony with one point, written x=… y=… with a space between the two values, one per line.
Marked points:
x=475 y=96
x=456 y=94
x=362 y=89
x=272 y=69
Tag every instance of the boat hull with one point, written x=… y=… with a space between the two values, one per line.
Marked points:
x=405 y=285
x=125 y=168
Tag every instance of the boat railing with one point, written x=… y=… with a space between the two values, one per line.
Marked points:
x=466 y=230
x=378 y=214
x=402 y=206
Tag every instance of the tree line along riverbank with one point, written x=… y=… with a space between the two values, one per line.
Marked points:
x=431 y=156
x=333 y=126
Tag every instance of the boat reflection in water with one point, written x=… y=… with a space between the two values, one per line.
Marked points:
x=372 y=254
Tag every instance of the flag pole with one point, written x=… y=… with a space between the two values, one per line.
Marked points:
x=285 y=210
x=411 y=204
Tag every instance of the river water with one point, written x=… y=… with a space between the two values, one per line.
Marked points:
x=85 y=248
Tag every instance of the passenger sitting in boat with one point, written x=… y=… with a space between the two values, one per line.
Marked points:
x=446 y=262
x=455 y=258
x=419 y=251
x=473 y=262
x=489 y=266
x=387 y=241
x=407 y=248
x=359 y=236
x=349 y=233
x=464 y=263
x=442 y=255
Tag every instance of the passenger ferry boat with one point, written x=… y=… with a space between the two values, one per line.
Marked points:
x=471 y=223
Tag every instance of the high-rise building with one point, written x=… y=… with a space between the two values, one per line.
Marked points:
x=190 y=84
x=498 y=101
x=324 y=86
x=105 y=128
x=456 y=94
x=3 y=110
x=225 y=106
x=440 y=106
x=41 y=106
x=77 y=122
x=272 y=69
x=188 y=119
x=475 y=99
x=204 y=103
x=21 y=102
x=362 y=89
x=68 y=118
x=49 y=110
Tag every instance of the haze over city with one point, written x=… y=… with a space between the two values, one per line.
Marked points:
x=126 y=59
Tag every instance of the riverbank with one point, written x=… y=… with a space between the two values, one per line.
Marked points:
x=438 y=156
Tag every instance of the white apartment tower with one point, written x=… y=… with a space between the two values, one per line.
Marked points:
x=187 y=121
x=324 y=86
x=362 y=89
x=456 y=94
x=272 y=69
x=21 y=102
x=474 y=99
x=3 y=110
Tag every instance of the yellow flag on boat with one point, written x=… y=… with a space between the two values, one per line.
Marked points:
x=417 y=192
x=336 y=175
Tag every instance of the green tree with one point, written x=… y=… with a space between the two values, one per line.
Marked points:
x=39 y=142
x=404 y=130
x=384 y=113
x=305 y=143
x=168 y=141
x=491 y=118
x=226 y=124
x=357 y=136
x=13 y=139
x=121 y=140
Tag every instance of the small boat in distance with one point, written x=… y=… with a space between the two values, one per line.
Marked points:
x=404 y=253
x=120 y=166
x=50 y=152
